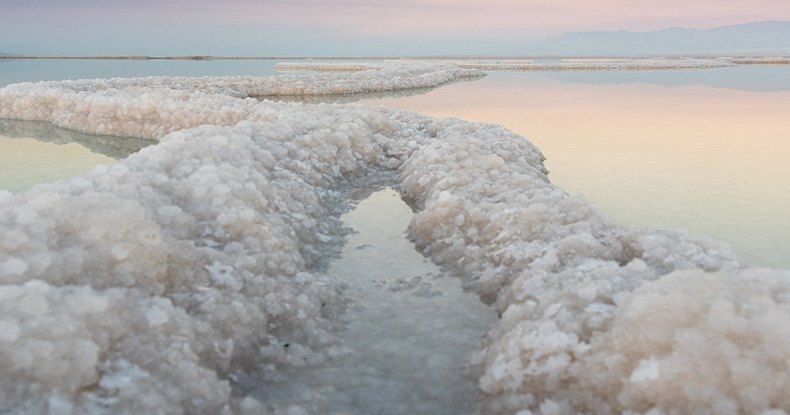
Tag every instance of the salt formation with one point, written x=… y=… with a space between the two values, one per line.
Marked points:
x=145 y=286
x=574 y=336
x=544 y=65
x=763 y=60
x=553 y=65
x=151 y=107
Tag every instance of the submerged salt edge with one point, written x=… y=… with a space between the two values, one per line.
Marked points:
x=144 y=286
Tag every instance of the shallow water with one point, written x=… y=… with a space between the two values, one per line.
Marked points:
x=411 y=329
x=756 y=78
x=25 y=162
x=12 y=71
x=34 y=152
x=710 y=159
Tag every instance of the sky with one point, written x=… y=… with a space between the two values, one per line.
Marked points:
x=342 y=27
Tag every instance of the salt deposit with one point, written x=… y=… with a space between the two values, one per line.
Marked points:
x=543 y=65
x=550 y=65
x=763 y=60
x=145 y=286
x=151 y=107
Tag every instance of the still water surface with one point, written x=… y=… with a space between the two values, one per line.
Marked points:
x=699 y=150
x=25 y=162
x=13 y=71
x=684 y=151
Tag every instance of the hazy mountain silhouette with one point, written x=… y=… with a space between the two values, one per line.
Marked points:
x=750 y=38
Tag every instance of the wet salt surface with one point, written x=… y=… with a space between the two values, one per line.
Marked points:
x=411 y=330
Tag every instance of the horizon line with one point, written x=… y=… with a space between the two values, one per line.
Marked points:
x=372 y=57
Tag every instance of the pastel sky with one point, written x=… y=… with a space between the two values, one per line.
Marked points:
x=342 y=27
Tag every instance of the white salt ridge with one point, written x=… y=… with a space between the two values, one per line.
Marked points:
x=763 y=60
x=104 y=272
x=151 y=107
x=551 y=65
x=542 y=65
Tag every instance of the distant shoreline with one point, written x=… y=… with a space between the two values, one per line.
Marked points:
x=172 y=58
x=282 y=58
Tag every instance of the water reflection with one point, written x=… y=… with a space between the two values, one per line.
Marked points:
x=706 y=159
x=12 y=71
x=25 y=162
x=346 y=98
x=115 y=147
x=32 y=153
x=745 y=77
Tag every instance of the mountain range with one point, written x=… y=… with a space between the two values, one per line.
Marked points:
x=759 y=38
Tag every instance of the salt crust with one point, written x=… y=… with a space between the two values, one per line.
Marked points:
x=142 y=287
x=560 y=64
x=151 y=107
x=582 y=64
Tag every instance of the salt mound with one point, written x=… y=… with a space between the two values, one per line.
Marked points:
x=73 y=349
x=150 y=283
x=151 y=107
x=695 y=342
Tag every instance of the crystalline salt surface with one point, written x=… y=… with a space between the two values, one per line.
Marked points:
x=147 y=286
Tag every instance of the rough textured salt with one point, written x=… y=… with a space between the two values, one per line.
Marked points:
x=142 y=287
x=151 y=107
